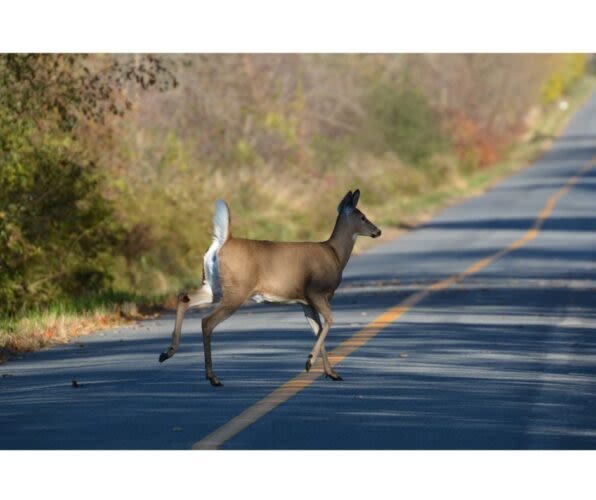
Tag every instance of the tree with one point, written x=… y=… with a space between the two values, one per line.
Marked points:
x=57 y=231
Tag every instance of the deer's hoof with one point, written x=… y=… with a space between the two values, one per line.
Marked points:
x=214 y=381
x=166 y=355
x=308 y=363
x=333 y=376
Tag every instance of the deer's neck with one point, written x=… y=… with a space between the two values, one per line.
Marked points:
x=342 y=241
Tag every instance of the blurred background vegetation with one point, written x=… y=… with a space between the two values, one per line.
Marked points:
x=110 y=164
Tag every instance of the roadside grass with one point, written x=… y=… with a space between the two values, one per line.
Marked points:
x=64 y=320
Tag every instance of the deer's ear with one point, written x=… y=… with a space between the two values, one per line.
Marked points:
x=345 y=202
x=355 y=198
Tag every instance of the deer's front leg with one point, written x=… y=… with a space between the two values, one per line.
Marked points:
x=315 y=323
x=321 y=305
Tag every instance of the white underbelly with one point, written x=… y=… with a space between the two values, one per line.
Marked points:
x=267 y=297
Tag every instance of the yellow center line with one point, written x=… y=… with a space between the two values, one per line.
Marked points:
x=360 y=338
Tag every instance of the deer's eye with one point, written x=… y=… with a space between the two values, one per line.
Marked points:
x=362 y=218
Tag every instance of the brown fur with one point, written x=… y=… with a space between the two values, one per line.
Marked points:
x=304 y=266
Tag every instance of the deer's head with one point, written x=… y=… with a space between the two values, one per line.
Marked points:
x=358 y=223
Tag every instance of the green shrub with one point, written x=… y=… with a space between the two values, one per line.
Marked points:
x=58 y=233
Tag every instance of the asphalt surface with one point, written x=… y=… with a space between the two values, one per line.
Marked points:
x=505 y=359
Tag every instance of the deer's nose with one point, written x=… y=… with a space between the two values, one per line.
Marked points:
x=377 y=233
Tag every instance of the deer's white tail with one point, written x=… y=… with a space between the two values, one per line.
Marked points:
x=221 y=222
x=221 y=233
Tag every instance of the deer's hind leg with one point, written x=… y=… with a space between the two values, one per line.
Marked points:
x=184 y=303
x=314 y=321
x=228 y=306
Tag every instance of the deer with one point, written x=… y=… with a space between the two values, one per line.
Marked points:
x=305 y=273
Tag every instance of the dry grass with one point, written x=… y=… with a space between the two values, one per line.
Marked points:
x=63 y=322
x=31 y=334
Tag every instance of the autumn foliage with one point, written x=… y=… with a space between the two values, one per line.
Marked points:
x=110 y=164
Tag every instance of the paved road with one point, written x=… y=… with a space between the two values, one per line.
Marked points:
x=503 y=359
